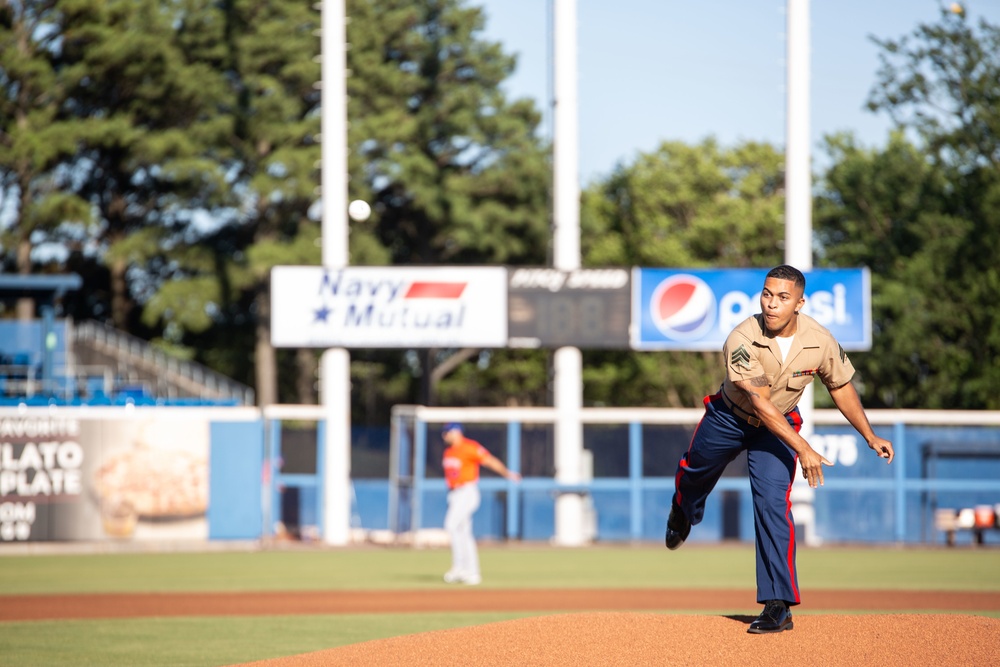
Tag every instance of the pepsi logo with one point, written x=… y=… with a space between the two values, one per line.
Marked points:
x=683 y=307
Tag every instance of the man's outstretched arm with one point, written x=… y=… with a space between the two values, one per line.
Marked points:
x=845 y=397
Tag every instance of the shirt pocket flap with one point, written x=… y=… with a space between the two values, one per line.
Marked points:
x=799 y=381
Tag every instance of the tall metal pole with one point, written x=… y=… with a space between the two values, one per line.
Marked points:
x=335 y=376
x=798 y=168
x=798 y=206
x=568 y=362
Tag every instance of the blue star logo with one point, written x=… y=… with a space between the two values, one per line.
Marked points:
x=322 y=313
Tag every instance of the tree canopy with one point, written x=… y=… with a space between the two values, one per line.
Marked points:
x=455 y=171
x=924 y=214
x=171 y=148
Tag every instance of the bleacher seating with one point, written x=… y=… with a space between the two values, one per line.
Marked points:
x=111 y=383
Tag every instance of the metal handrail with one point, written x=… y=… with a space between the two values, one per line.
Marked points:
x=191 y=371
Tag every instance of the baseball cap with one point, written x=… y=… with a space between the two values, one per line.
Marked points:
x=451 y=426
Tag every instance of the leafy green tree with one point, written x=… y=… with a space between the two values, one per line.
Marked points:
x=194 y=146
x=434 y=146
x=455 y=171
x=943 y=82
x=884 y=209
x=36 y=135
x=500 y=377
x=688 y=206
x=218 y=287
x=146 y=101
x=926 y=219
x=679 y=206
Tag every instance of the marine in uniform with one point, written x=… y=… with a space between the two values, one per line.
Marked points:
x=770 y=359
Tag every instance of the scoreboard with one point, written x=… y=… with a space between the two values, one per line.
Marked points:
x=586 y=308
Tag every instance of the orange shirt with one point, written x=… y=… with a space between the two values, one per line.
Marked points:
x=461 y=462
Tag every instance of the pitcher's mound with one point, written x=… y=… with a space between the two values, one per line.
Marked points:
x=621 y=638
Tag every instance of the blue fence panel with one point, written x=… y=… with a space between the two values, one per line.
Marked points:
x=537 y=515
x=371 y=503
x=864 y=500
x=236 y=462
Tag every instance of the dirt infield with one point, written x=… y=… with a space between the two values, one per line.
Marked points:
x=621 y=638
x=596 y=633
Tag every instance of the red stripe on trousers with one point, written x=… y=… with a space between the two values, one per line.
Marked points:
x=683 y=463
x=790 y=556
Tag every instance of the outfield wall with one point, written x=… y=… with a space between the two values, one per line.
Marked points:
x=944 y=459
x=203 y=474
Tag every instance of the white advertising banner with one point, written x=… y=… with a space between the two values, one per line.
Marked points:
x=376 y=306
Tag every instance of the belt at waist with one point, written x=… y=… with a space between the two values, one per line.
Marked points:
x=738 y=411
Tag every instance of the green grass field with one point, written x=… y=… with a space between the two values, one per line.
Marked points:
x=204 y=641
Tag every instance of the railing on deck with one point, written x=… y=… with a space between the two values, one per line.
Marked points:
x=197 y=380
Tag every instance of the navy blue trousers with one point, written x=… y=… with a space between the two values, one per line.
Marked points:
x=718 y=439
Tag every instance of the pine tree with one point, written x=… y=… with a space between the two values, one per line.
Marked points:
x=36 y=135
x=456 y=172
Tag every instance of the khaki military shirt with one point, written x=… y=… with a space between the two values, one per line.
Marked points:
x=749 y=353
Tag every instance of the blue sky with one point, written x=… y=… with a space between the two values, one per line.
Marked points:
x=658 y=70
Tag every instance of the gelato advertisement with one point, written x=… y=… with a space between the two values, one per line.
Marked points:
x=66 y=479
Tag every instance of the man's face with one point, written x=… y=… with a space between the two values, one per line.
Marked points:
x=451 y=435
x=779 y=301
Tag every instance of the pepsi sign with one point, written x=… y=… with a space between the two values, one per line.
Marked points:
x=695 y=309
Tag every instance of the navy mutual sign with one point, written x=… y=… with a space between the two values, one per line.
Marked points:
x=376 y=306
x=695 y=309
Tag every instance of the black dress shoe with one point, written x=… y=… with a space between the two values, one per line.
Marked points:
x=776 y=617
x=678 y=528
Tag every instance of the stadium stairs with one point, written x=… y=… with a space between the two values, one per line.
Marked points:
x=147 y=375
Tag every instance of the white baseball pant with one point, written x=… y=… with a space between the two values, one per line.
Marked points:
x=462 y=504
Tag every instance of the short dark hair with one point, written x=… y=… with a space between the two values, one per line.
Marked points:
x=787 y=272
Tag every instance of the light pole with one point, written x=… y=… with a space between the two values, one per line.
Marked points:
x=335 y=363
x=568 y=362
x=798 y=209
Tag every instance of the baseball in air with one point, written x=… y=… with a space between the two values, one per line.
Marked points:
x=957 y=8
x=359 y=210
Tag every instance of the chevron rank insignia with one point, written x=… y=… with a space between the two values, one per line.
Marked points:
x=740 y=357
x=843 y=355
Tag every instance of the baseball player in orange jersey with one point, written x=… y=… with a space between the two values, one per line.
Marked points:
x=462 y=459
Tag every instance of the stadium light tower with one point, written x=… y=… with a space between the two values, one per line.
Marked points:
x=568 y=362
x=798 y=168
x=798 y=207
x=335 y=376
